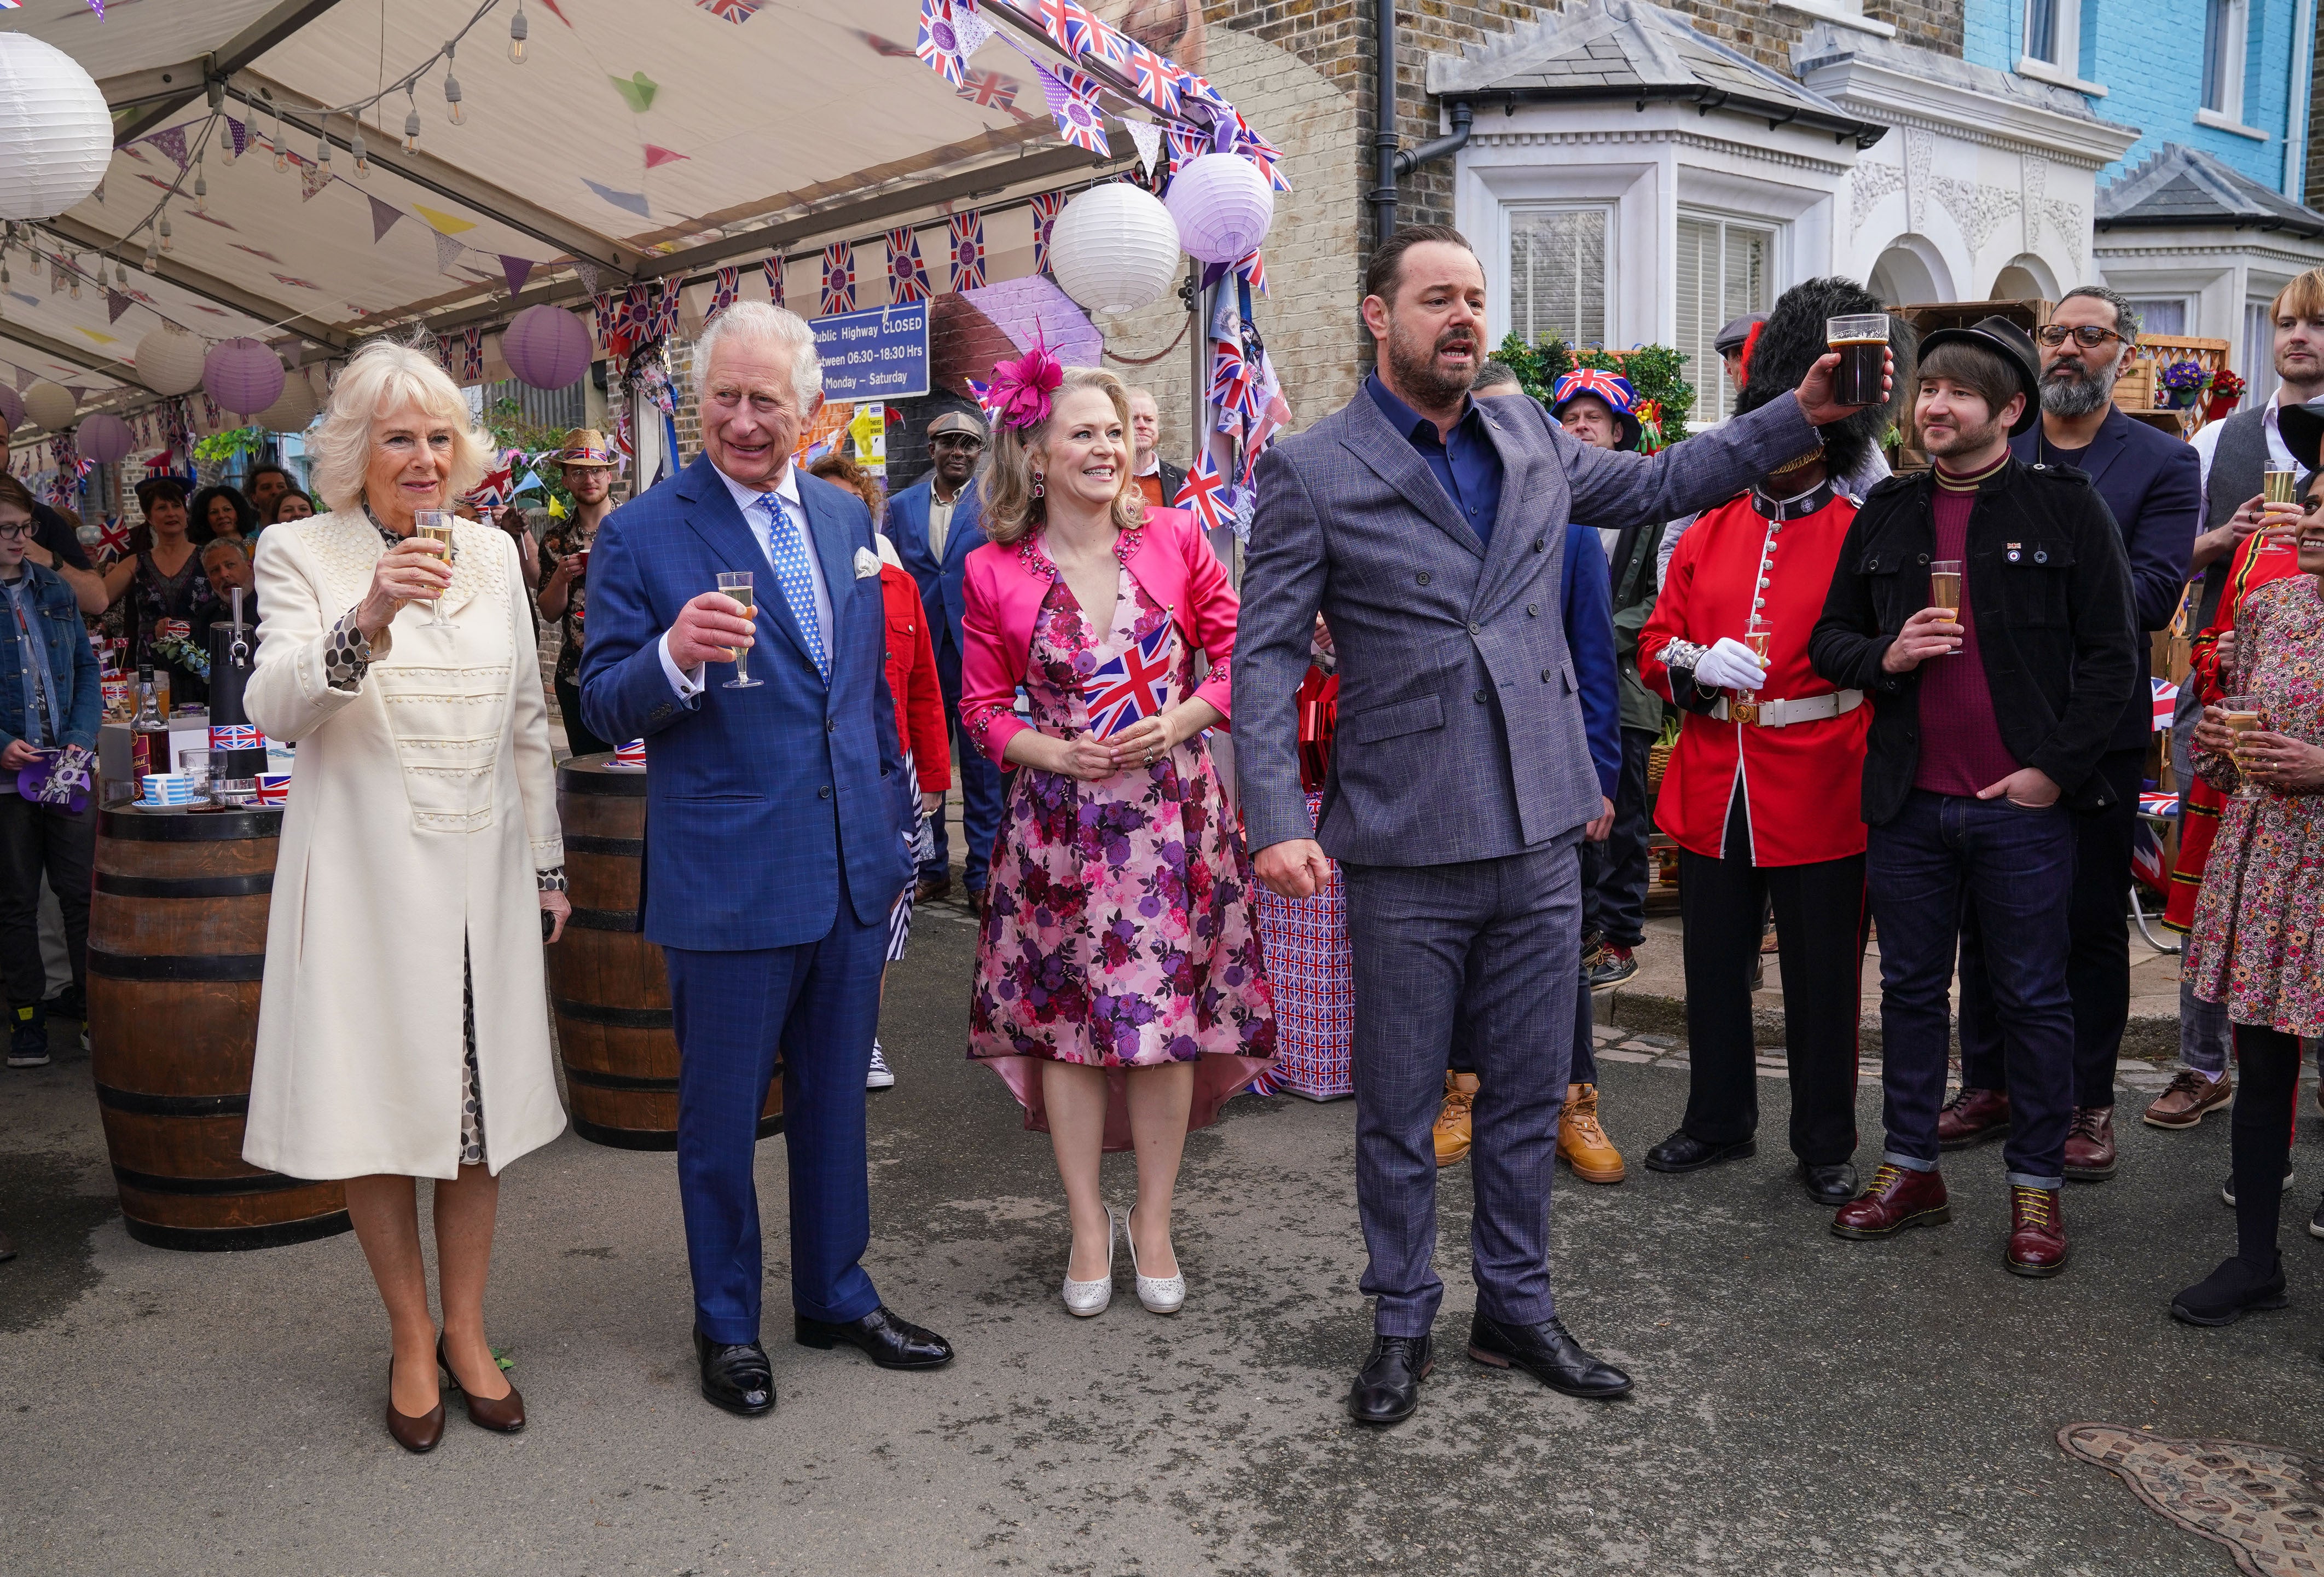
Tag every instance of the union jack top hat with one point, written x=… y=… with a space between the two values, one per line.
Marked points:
x=1612 y=389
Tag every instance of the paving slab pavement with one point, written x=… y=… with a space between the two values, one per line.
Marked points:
x=1804 y=1406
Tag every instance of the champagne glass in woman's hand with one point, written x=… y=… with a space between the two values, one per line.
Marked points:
x=410 y=571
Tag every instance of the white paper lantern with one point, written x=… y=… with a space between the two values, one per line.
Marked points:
x=56 y=134
x=242 y=376
x=50 y=406
x=293 y=411
x=1223 y=206
x=170 y=360
x=1115 y=248
x=105 y=438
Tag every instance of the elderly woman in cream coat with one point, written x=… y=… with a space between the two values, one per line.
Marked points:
x=404 y=1031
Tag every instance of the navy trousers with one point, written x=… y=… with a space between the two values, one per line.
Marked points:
x=818 y=1006
x=1496 y=942
x=1942 y=856
x=1583 y=1070
x=980 y=785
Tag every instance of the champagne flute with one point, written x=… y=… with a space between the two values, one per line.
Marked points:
x=2277 y=487
x=1945 y=588
x=2245 y=714
x=1756 y=636
x=434 y=525
x=736 y=584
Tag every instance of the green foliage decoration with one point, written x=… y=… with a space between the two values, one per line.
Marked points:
x=1656 y=373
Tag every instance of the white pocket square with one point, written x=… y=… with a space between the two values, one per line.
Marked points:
x=867 y=563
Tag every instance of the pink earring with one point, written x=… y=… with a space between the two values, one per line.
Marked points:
x=1037 y=484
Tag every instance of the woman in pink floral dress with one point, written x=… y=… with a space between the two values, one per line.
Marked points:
x=1118 y=988
x=2259 y=941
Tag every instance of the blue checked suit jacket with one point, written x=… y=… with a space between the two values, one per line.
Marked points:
x=1460 y=733
x=755 y=799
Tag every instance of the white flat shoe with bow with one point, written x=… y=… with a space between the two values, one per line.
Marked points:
x=1086 y=1298
x=1161 y=1294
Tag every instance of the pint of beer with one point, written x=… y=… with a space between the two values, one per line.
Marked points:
x=1862 y=341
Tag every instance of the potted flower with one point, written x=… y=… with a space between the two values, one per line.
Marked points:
x=2227 y=389
x=2181 y=383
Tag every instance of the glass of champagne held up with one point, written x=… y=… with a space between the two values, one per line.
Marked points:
x=736 y=584
x=434 y=525
x=2245 y=715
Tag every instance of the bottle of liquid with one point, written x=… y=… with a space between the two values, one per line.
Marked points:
x=149 y=731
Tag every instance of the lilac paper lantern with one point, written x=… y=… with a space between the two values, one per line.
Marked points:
x=1223 y=206
x=242 y=376
x=546 y=348
x=106 y=439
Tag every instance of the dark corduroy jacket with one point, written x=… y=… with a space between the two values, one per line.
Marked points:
x=2049 y=590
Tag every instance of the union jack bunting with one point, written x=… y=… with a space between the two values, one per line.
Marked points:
x=662 y=323
x=723 y=293
x=1133 y=684
x=1185 y=145
x=1204 y=492
x=1045 y=206
x=967 y=251
x=1156 y=80
x=1253 y=270
x=1109 y=43
x=472 y=355
x=774 y=268
x=838 y=279
x=1230 y=377
x=989 y=90
x=907 y=276
x=1074 y=105
x=607 y=314
x=939 y=44
x=113 y=539
x=737 y=12
x=1070 y=25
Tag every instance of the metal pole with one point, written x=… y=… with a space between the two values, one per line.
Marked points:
x=1383 y=193
x=1198 y=356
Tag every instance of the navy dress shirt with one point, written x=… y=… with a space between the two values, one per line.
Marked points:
x=1469 y=467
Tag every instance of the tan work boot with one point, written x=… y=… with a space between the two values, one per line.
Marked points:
x=1581 y=1144
x=1452 y=1130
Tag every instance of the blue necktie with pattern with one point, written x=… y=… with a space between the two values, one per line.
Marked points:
x=787 y=553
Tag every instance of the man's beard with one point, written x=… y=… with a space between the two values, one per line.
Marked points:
x=1968 y=440
x=2078 y=393
x=1418 y=372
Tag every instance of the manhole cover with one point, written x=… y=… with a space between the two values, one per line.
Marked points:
x=2265 y=1503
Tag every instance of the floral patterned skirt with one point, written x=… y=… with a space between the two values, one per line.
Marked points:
x=1119 y=933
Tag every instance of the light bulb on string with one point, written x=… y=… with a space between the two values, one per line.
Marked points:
x=120 y=273
x=519 y=31
x=167 y=244
x=152 y=254
x=323 y=153
x=411 y=124
x=281 y=149
x=72 y=277
x=361 y=150
x=201 y=186
x=452 y=91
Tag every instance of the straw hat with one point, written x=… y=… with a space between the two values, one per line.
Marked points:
x=585 y=446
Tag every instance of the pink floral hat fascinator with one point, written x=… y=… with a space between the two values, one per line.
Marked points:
x=1019 y=396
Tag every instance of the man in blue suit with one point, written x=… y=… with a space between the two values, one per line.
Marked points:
x=774 y=813
x=935 y=524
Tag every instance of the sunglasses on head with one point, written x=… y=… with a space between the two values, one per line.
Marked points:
x=2089 y=335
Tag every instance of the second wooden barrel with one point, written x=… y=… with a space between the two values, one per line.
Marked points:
x=606 y=982
x=176 y=948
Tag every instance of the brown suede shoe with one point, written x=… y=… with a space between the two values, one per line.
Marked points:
x=2037 y=1232
x=2090 y=1145
x=1581 y=1144
x=2189 y=1097
x=931 y=888
x=1452 y=1130
x=1971 y=1117
x=1898 y=1198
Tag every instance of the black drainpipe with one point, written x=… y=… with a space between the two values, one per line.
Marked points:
x=1388 y=162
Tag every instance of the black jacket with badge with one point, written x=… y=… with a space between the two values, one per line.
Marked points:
x=2049 y=590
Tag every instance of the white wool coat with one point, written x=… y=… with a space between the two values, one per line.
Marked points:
x=422 y=805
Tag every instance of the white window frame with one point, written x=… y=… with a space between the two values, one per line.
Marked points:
x=1839 y=13
x=2227 y=114
x=1706 y=372
x=2066 y=43
x=1512 y=213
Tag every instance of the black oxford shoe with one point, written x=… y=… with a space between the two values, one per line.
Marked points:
x=881 y=1336
x=1387 y=1390
x=1549 y=1352
x=1832 y=1185
x=1683 y=1151
x=736 y=1375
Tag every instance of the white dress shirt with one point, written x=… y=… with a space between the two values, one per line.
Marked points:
x=755 y=514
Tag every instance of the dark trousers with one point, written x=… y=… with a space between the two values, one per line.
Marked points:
x=980 y=785
x=817 y=1004
x=2098 y=967
x=577 y=731
x=1496 y=942
x=1819 y=926
x=2259 y=1136
x=1614 y=873
x=34 y=840
x=1943 y=856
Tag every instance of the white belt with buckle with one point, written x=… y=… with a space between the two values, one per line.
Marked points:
x=1807 y=708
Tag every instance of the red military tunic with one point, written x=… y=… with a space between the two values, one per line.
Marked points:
x=1802 y=783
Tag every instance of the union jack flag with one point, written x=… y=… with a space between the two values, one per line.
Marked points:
x=113 y=539
x=1073 y=104
x=907 y=276
x=236 y=736
x=274 y=788
x=774 y=267
x=838 y=278
x=968 y=251
x=989 y=90
x=1253 y=270
x=1185 y=145
x=1109 y=43
x=472 y=355
x=939 y=44
x=1133 y=684
x=1045 y=206
x=2166 y=703
x=1204 y=492
x=1231 y=381
x=737 y=12
x=1068 y=24
x=2146 y=859
x=722 y=292
x=2157 y=805
x=1156 y=80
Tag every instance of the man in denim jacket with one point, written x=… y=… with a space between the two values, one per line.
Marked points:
x=49 y=699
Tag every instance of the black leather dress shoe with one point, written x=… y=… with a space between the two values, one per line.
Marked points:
x=885 y=1339
x=1832 y=1185
x=736 y=1375
x=1387 y=1389
x=1683 y=1151
x=1549 y=1352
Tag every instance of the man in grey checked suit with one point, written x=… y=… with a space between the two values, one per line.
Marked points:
x=1429 y=529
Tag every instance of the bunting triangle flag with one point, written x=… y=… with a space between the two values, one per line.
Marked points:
x=657 y=156
x=448 y=252
x=1073 y=104
x=383 y=215
x=517 y=269
x=584 y=271
x=237 y=136
x=312 y=178
x=445 y=224
x=970 y=30
x=116 y=303
x=172 y=142
x=1149 y=138
x=633 y=202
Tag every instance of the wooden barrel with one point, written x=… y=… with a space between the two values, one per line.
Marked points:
x=176 y=948
x=606 y=982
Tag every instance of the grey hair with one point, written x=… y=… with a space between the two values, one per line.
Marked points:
x=759 y=322
x=1493 y=374
x=2127 y=321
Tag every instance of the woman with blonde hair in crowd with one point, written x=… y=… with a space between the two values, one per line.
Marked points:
x=1118 y=986
x=403 y=1029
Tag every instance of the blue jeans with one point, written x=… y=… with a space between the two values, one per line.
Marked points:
x=981 y=787
x=1940 y=856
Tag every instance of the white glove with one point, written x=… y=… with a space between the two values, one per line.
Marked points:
x=1728 y=664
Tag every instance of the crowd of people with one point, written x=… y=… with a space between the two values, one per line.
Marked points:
x=1919 y=702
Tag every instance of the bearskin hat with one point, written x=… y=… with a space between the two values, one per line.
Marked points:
x=1791 y=340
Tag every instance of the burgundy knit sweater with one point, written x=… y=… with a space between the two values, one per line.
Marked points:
x=1961 y=751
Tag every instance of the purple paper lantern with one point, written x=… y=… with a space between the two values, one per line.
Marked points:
x=1223 y=206
x=11 y=409
x=106 y=439
x=546 y=348
x=242 y=376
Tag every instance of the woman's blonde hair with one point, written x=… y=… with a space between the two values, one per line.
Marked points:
x=1011 y=510
x=385 y=377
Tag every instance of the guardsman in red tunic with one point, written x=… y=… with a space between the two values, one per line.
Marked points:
x=1761 y=794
